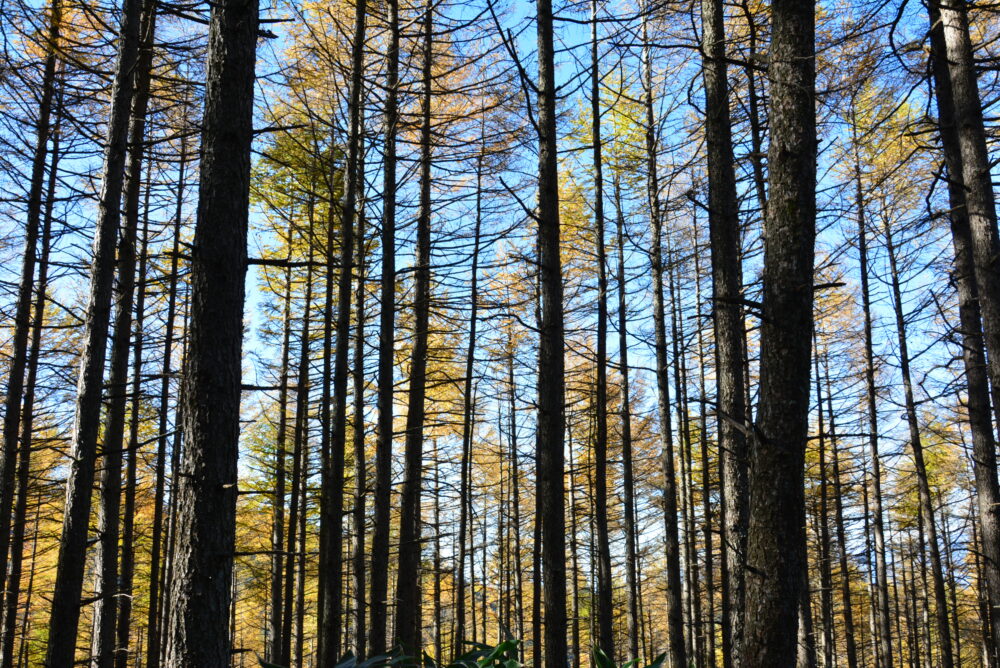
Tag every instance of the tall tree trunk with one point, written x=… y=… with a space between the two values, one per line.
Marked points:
x=386 y=344
x=960 y=136
x=275 y=619
x=944 y=641
x=823 y=521
x=22 y=312
x=207 y=481
x=675 y=613
x=23 y=472
x=551 y=419
x=408 y=596
x=106 y=604
x=127 y=577
x=468 y=419
x=775 y=572
x=64 y=616
x=605 y=608
x=360 y=459
x=882 y=609
x=628 y=474
x=332 y=501
x=154 y=626
x=838 y=504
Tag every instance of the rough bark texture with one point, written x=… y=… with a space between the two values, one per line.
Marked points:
x=551 y=419
x=727 y=289
x=775 y=546
x=201 y=581
x=970 y=322
x=64 y=616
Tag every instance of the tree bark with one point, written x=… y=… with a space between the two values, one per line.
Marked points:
x=551 y=420
x=207 y=481
x=64 y=616
x=775 y=571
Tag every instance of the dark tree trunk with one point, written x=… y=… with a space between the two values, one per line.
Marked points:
x=64 y=616
x=154 y=626
x=551 y=419
x=628 y=475
x=332 y=502
x=23 y=472
x=970 y=292
x=386 y=341
x=675 y=613
x=106 y=605
x=775 y=572
x=408 y=595
x=944 y=641
x=605 y=608
x=881 y=604
x=22 y=312
x=360 y=459
x=207 y=481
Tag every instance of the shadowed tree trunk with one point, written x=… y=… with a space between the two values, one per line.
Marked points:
x=675 y=612
x=409 y=624
x=64 y=616
x=386 y=342
x=206 y=486
x=776 y=559
x=551 y=420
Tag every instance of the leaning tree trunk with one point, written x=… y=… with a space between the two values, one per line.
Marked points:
x=776 y=560
x=206 y=487
x=22 y=311
x=970 y=298
x=551 y=419
x=944 y=640
x=64 y=616
x=23 y=472
x=106 y=605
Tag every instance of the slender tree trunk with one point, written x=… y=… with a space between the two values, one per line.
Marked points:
x=207 y=482
x=360 y=458
x=386 y=344
x=23 y=472
x=154 y=625
x=823 y=520
x=838 y=504
x=124 y=616
x=408 y=610
x=776 y=557
x=106 y=605
x=944 y=641
x=605 y=608
x=468 y=420
x=675 y=611
x=882 y=610
x=22 y=312
x=275 y=619
x=332 y=501
x=628 y=474
x=551 y=419
x=64 y=616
